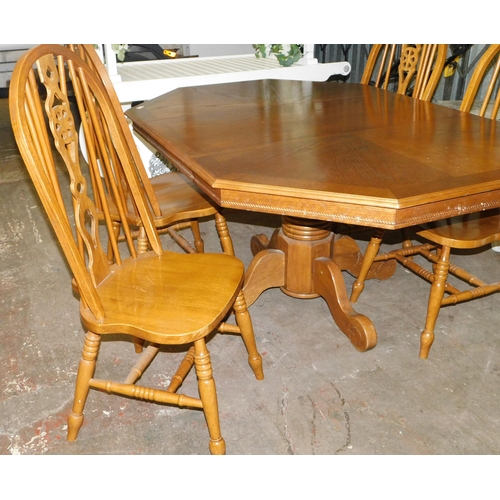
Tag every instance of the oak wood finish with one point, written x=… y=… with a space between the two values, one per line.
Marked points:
x=176 y=203
x=324 y=152
x=461 y=232
x=163 y=298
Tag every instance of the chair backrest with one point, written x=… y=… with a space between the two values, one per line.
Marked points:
x=88 y=54
x=41 y=110
x=485 y=82
x=417 y=70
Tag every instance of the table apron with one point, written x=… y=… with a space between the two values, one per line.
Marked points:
x=351 y=213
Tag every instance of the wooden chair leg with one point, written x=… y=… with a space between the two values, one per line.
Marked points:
x=435 y=299
x=370 y=254
x=199 y=244
x=407 y=243
x=208 y=396
x=223 y=231
x=138 y=345
x=142 y=247
x=86 y=370
x=244 y=322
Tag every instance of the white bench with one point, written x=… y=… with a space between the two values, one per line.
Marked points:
x=143 y=80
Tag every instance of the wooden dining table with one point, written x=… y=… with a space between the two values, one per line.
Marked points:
x=318 y=154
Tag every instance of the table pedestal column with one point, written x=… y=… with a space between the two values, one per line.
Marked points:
x=299 y=259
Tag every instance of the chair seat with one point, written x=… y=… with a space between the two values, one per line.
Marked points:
x=152 y=297
x=179 y=199
x=464 y=231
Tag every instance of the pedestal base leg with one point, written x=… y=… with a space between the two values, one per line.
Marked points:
x=267 y=270
x=329 y=283
x=298 y=259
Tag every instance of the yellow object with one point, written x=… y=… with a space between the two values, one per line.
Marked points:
x=450 y=68
x=169 y=53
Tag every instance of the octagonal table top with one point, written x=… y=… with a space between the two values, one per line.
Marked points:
x=324 y=150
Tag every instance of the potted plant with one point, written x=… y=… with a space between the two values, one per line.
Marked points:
x=287 y=54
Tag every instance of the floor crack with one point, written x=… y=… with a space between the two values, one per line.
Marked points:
x=347 y=422
x=286 y=431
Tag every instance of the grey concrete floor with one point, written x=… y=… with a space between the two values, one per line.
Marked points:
x=319 y=396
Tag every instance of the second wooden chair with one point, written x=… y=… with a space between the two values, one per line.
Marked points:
x=176 y=202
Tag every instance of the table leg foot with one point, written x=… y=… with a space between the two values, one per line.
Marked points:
x=329 y=283
x=258 y=243
x=267 y=270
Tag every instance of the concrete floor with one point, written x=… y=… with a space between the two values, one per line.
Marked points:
x=319 y=397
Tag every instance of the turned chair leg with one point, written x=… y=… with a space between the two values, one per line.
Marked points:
x=435 y=299
x=208 y=396
x=142 y=247
x=86 y=370
x=199 y=244
x=244 y=322
x=138 y=345
x=368 y=259
x=223 y=231
x=407 y=242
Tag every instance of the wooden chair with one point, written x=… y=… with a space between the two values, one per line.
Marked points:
x=176 y=202
x=465 y=232
x=416 y=73
x=164 y=298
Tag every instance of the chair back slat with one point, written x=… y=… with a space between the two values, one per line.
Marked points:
x=100 y=148
x=430 y=70
x=385 y=53
x=428 y=52
x=386 y=63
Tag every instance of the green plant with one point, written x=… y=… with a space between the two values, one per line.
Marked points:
x=120 y=50
x=287 y=54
